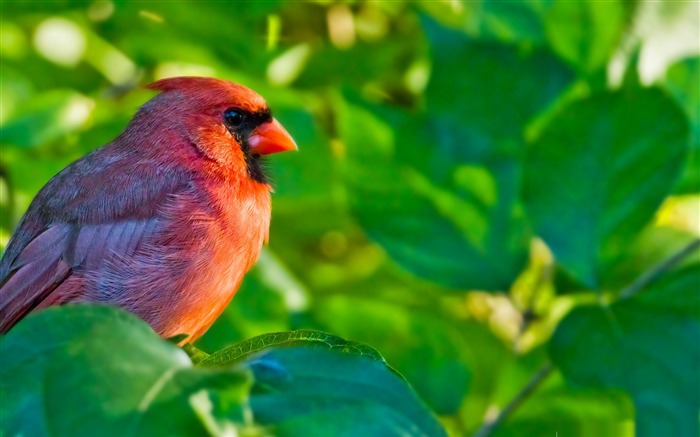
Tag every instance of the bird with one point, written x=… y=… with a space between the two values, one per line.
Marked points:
x=163 y=221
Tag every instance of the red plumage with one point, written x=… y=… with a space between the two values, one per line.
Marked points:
x=164 y=221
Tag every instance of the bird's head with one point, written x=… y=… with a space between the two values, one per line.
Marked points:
x=229 y=125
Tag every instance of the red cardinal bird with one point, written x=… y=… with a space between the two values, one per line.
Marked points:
x=164 y=221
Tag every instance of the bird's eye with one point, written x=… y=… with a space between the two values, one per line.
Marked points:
x=234 y=118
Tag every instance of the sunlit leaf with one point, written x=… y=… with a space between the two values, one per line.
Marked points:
x=585 y=33
x=241 y=351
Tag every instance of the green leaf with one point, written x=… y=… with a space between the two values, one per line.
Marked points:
x=439 y=191
x=72 y=370
x=648 y=345
x=599 y=171
x=571 y=411
x=652 y=246
x=315 y=384
x=586 y=33
x=583 y=33
x=682 y=82
x=417 y=343
x=438 y=213
x=493 y=88
x=310 y=339
x=556 y=406
x=503 y=21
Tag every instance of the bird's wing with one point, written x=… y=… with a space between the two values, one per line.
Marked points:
x=48 y=269
x=84 y=215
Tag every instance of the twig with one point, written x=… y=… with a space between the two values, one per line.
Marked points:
x=489 y=425
x=635 y=287
x=650 y=275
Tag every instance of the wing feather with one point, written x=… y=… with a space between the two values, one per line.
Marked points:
x=63 y=251
x=27 y=287
x=103 y=206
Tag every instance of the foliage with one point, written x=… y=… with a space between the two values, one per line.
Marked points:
x=482 y=189
x=163 y=394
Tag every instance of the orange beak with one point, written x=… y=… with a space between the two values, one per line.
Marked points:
x=271 y=137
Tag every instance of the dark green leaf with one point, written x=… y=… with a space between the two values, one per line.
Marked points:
x=417 y=190
x=315 y=384
x=682 y=81
x=583 y=33
x=72 y=370
x=417 y=343
x=598 y=173
x=439 y=191
x=648 y=345
x=492 y=88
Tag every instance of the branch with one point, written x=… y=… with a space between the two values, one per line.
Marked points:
x=491 y=424
x=650 y=275
x=635 y=287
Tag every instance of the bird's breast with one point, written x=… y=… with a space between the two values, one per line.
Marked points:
x=233 y=229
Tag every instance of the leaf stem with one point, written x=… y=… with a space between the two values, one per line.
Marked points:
x=196 y=355
x=650 y=275
x=489 y=425
x=633 y=288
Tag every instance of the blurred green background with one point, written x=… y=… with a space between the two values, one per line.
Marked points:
x=476 y=183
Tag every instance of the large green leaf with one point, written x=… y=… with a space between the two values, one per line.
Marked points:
x=417 y=343
x=492 y=88
x=437 y=213
x=315 y=384
x=648 y=345
x=439 y=190
x=74 y=370
x=599 y=171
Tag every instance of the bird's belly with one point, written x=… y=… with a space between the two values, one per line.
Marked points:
x=210 y=281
